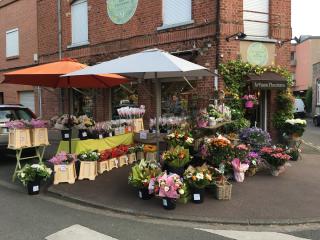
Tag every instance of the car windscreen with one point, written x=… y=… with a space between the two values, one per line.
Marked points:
x=24 y=114
x=15 y=114
x=6 y=115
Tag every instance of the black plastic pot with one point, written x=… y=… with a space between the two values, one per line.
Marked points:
x=83 y=134
x=66 y=134
x=197 y=195
x=33 y=187
x=143 y=194
x=169 y=203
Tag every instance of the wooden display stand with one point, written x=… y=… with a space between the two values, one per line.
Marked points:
x=103 y=166
x=151 y=156
x=138 y=125
x=19 y=138
x=113 y=163
x=88 y=170
x=65 y=173
x=132 y=157
x=140 y=155
x=39 y=136
x=123 y=160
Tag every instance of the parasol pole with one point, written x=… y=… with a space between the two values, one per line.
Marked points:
x=69 y=110
x=157 y=115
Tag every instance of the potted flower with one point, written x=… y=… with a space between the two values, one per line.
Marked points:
x=142 y=173
x=255 y=137
x=19 y=134
x=180 y=138
x=132 y=157
x=276 y=158
x=65 y=124
x=175 y=160
x=198 y=178
x=239 y=169
x=98 y=131
x=253 y=160
x=222 y=188
x=203 y=119
x=31 y=176
x=64 y=167
x=84 y=123
x=169 y=188
x=39 y=132
x=88 y=164
x=294 y=127
x=250 y=99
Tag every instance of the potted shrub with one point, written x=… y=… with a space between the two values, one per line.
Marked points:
x=255 y=137
x=175 y=160
x=84 y=122
x=169 y=188
x=294 y=128
x=64 y=168
x=88 y=164
x=141 y=175
x=276 y=159
x=198 y=178
x=31 y=176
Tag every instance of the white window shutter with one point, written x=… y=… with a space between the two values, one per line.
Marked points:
x=79 y=22
x=26 y=98
x=12 y=43
x=176 y=11
x=256 y=17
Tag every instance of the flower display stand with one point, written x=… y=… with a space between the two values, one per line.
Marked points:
x=140 y=155
x=223 y=192
x=65 y=173
x=113 y=163
x=151 y=156
x=138 y=125
x=103 y=166
x=39 y=136
x=88 y=170
x=123 y=160
x=132 y=157
x=19 y=138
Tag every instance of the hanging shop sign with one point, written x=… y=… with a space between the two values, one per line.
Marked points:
x=269 y=85
x=121 y=11
x=257 y=53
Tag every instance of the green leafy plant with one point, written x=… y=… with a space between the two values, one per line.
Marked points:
x=30 y=173
x=89 y=156
x=176 y=157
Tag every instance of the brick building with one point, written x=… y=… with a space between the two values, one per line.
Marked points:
x=100 y=30
x=18 y=48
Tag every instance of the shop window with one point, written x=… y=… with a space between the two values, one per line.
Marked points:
x=83 y=102
x=125 y=95
x=12 y=43
x=79 y=23
x=176 y=12
x=256 y=18
x=318 y=92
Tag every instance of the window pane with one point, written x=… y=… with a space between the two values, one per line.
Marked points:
x=176 y=11
x=12 y=43
x=79 y=22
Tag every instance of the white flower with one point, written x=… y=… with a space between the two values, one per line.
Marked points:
x=189 y=140
x=166 y=188
x=35 y=165
x=199 y=175
x=22 y=175
x=181 y=191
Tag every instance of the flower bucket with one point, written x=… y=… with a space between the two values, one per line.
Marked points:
x=197 y=195
x=132 y=158
x=66 y=134
x=249 y=104
x=83 y=134
x=143 y=194
x=169 y=203
x=33 y=187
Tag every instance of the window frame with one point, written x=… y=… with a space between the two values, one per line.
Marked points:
x=18 y=43
x=318 y=92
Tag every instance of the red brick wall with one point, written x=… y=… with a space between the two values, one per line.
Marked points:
x=20 y=14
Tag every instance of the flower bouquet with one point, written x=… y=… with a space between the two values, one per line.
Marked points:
x=98 y=131
x=180 y=138
x=141 y=175
x=294 y=127
x=175 y=160
x=65 y=123
x=198 y=178
x=253 y=160
x=255 y=137
x=64 y=167
x=88 y=164
x=251 y=100
x=239 y=169
x=31 y=176
x=276 y=159
x=84 y=122
x=169 y=188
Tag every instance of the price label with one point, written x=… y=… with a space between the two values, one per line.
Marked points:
x=63 y=168
x=35 y=188
x=84 y=134
x=143 y=135
x=100 y=136
x=66 y=135
x=164 y=202
x=196 y=197
x=140 y=194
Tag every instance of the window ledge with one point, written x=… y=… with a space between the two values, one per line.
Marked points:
x=164 y=27
x=260 y=39
x=12 y=58
x=75 y=45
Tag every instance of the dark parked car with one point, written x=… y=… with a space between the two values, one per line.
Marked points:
x=316 y=120
x=9 y=113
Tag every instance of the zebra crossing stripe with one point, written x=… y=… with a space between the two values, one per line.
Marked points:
x=243 y=235
x=78 y=232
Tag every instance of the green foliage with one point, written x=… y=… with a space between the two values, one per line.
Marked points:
x=236 y=126
x=309 y=100
x=285 y=100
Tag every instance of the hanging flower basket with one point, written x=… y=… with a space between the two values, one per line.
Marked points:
x=249 y=104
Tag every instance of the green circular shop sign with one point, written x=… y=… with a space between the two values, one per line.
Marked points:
x=257 y=54
x=121 y=11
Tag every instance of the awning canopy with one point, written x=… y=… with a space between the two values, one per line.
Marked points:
x=267 y=81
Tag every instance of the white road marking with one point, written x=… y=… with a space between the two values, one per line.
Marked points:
x=243 y=235
x=78 y=232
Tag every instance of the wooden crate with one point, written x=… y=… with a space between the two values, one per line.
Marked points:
x=19 y=138
x=138 y=125
x=132 y=157
x=39 y=136
x=123 y=160
x=140 y=155
x=113 y=163
x=151 y=156
x=103 y=166
x=65 y=174
x=88 y=170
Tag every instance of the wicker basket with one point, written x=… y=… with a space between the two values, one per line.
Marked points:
x=223 y=192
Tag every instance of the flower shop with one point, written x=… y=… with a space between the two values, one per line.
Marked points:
x=178 y=158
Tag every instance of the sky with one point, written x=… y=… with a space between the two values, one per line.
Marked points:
x=305 y=17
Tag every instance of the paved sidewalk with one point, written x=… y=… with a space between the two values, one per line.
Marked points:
x=263 y=199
